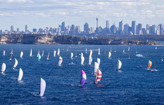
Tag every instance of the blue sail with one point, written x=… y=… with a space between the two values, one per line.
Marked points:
x=39 y=57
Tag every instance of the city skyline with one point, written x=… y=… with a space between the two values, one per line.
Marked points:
x=50 y=13
x=63 y=29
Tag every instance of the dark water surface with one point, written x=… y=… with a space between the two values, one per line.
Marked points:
x=134 y=86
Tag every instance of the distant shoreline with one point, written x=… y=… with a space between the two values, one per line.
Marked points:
x=68 y=39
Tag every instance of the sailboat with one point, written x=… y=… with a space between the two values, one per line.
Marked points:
x=20 y=74
x=42 y=87
x=48 y=56
x=11 y=54
x=38 y=53
x=83 y=77
x=98 y=76
x=15 y=64
x=98 y=51
x=39 y=57
x=82 y=59
x=3 y=52
x=42 y=53
x=123 y=51
x=90 y=60
x=161 y=58
x=58 y=52
x=21 y=54
x=60 y=61
x=54 y=53
x=90 y=53
x=119 y=64
x=149 y=65
x=71 y=55
x=128 y=48
x=109 y=54
x=31 y=53
x=96 y=66
x=3 y=68
x=98 y=61
x=155 y=48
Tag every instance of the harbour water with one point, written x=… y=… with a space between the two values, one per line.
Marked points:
x=133 y=86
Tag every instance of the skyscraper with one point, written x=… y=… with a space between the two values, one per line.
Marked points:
x=120 y=27
x=86 y=28
x=139 y=29
x=63 y=26
x=12 y=28
x=126 y=29
x=134 y=27
x=107 y=24
x=97 y=23
x=26 y=28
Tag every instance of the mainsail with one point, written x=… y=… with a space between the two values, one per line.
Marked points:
x=54 y=53
x=42 y=87
x=96 y=66
x=3 y=52
x=31 y=53
x=39 y=57
x=98 y=76
x=21 y=54
x=98 y=61
x=3 y=67
x=119 y=64
x=42 y=53
x=71 y=55
x=83 y=77
x=15 y=64
x=149 y=64
x=99 y=51
x=20 y=74
x=48 y=56
x=60 y=61
x=109 y=55
x=58 y=52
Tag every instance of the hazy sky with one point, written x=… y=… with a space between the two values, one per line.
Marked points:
x=50 y=13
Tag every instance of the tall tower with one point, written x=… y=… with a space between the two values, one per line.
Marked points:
x=96 y=22
x=134 y=27
x=26 y=28
x=107 y=24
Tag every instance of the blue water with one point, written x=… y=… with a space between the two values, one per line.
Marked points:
x=133 y=86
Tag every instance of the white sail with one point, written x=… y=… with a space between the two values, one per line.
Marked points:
x=90 y=60
x=123 y=51
x=3 y=67
x=42 y=87
x=90 y=53
x=60 y=61
x=31 y=53
x=20 y=74
x=21 y=54
x=96 y=66
x=82 y=60
x=3 y=52
x=48 y=56
x=86 y=50
x=42 y=53
x=54 y=53
x=99 y=51
x=98 y=61
x=109 y=55
x=119 y=64
x=128 y=48
x=15 y=64
x=71 y=55
x=58 y=52
x=11 y=54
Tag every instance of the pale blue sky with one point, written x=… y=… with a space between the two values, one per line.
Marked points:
x=50 y=13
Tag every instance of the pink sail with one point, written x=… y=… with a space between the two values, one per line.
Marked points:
x=83 y=77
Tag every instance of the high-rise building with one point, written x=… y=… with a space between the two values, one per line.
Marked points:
x=63 y=26
x=12 y=28
x=97 y=23
x=121 y=27
x=26 y=28
x=134 y=27
x=126 y=29
x=139 y=29
x=17 y=29
x=161 y=29
x=72 y=30
x=86 y=28
x=92 y=30
x=113 y=29
x=107 y=23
